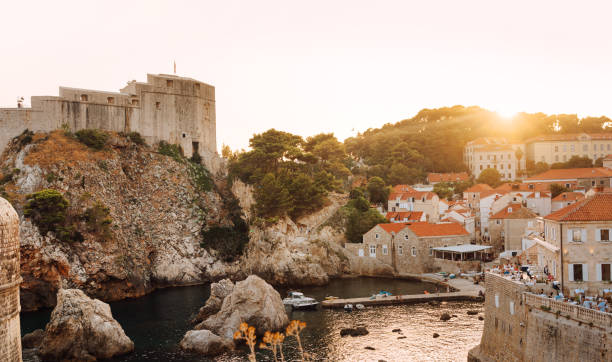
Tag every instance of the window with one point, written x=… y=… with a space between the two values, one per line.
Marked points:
x=511 y=307
x=498 y=222
x=501 y=166
x=372 y=250
x=481 y=167
x=592 y=183
x=110 y=100
x=567 y=186
x=377 y=236
x=556 y=158
x=360 y=252
x=496 y=305
x=400 y=250
x=604 y=234
x=585 y=147
x=430 y=251
x=564 y=148
x=605 y=272
x=385 y=250
x=509 y=166
x=556 y=148
x=576 y=235
x=572 y=148
x=608 y=147
x=157 y=105
x=84 y=98
x=169 y=83
x=577 y=273
x=406 y=237
x=481 y=159
x=134 y=102
x=413 y=251
x=509 y=156
x=197 y=86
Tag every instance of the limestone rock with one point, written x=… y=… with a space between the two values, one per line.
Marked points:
x=218 y=292
x=252 y=301
x=445 y=316
x=82 y=328
x=354 y=332
x=205 y=342
x=33 y=339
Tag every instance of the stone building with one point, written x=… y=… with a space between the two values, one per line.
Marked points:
x=583 y=178
x=554 y=148
x=167 y=108
x=508 y=226
x=565 y=199
x=408 y=247
x=10 y=278
x=451 y=177
x=412 y=200
x=495 y=153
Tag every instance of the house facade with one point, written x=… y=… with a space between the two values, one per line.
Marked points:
x=508 y=226
x=407 y=201
x=565 y=199
x=493 y=152
x=434 y=178
x=585 y=178
x=408 y=247
x=561 y=147
x=583 y=233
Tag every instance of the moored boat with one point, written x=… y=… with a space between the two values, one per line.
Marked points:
x=298 y=301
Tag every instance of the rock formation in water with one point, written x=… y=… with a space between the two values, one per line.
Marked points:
x=82 y=329
x=218 y=292
x=252 y=301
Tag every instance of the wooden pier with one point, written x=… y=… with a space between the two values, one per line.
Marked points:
x=403 y=299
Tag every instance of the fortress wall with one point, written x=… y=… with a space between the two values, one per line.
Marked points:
x=533 y=334
x=13 y=121
x=10 y=278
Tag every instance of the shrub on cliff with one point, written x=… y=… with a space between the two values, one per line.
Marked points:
x=46 y=209
x=92 y=138
x=136 y=138
x=171 y=150
x=98 y=220
x=360 y=218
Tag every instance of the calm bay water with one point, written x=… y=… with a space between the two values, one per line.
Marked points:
x=157 y=322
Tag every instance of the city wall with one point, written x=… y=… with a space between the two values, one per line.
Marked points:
x=521 y=326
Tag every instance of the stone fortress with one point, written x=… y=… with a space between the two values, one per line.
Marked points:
x=167 y=108
x=10 y=278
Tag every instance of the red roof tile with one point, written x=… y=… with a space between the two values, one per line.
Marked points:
x=394 y=227
x=514 y=211
x=405 y=215
x=572 y=174
x=402 y=188
x=568 y=196
x=422 y=229
x=447 y=177
x=595 y=208
x=479 y=188
x=418 y=195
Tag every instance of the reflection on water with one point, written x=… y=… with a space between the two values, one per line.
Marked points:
x=158 y=321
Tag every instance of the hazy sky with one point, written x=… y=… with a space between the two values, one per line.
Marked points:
x=320 y=66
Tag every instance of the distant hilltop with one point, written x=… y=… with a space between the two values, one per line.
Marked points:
x=167 y=108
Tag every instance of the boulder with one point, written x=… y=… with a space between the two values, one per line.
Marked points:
x=445 y=317
x=218 y=292
x=33 y=339
x=252 y=301
x=82 y=329
x=205 y=342
x=472 y=312
x=436 y=335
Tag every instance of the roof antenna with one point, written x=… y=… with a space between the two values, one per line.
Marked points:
x=175 y=67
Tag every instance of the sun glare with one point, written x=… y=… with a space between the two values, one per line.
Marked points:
x=506 y=115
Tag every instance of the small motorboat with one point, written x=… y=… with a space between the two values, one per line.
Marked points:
x=383 y=294
x=298 y=301
x=359 y=306
x=331 y=297
x=348 y=307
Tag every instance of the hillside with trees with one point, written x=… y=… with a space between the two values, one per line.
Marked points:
x=433 y=140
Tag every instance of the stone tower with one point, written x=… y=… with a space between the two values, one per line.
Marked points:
x=10 y=278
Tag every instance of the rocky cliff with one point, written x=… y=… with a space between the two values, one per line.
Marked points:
x=156 y=208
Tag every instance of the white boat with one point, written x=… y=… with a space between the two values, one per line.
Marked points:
x=298 y=301
x=348 y=307
x=359 y=306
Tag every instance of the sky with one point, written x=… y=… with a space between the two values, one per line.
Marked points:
x=308 y=67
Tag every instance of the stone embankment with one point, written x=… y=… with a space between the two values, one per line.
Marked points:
x=520 y=326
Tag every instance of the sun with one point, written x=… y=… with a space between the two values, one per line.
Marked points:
x=506 y=114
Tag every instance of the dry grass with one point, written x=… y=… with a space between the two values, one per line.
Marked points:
x=56 y=147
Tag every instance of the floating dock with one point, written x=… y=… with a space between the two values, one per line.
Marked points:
x=402 y=299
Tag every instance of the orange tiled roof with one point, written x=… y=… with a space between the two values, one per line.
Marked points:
x=568 y=196
x=404 y=215
x=394 y=227
x=535 y=186
x=447 y=177
x=514 y=211
x=418 y=195
x=572 y=173
x=422 y=229
x=489 y=141
x=569 y=137
x=595 y=208
x=402 y=188
x=542 y=195
x=479 y=188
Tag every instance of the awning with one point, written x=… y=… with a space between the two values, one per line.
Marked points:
x=466 y=248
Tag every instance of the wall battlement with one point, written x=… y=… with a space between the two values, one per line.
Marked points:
x=167 y=108
x=517 y=328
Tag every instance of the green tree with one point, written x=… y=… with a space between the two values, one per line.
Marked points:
x=490 y=176
x=305 y=195
x=540 y=167
x=443 y=190
x=519 y=155
x=377 y=190
x=359 y=222
x=556 y=190
x=46 y=209
x=271 y=197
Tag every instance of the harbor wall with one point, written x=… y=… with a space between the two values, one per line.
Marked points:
x=521 y=326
